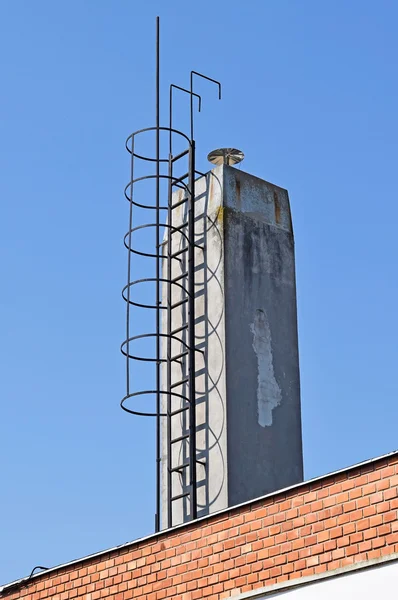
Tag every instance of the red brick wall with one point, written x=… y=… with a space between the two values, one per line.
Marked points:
x=317 y=527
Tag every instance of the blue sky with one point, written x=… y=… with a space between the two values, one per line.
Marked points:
x=310 y=95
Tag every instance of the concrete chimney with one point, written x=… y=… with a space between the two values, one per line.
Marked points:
x=248 y=419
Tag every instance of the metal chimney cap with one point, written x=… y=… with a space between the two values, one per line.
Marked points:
x=225 y=156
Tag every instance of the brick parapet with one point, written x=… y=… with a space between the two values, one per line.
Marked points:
x=316 y=527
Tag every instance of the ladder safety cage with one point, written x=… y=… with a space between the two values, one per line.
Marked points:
x=173 y=287
x=184 y=335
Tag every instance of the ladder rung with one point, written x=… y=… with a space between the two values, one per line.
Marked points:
x=180 y=439
x=178 y=252
x=177 y=204
x=185 y=465
x=181 y=155
x=179 y=496
x=179 y=355
x=177 y=304
x=179 y=228
x=179 y=468
x=178 y=411
x=179 y=277
x=180 y=179
x=179 y=382
x=179 y=329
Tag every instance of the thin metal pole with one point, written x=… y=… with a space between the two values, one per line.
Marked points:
x=177 y=87
x=191 y=331
x=191 y=112
x=169 y=348
x=192 y=93
x=158 y=458
x=191 y=318
x=129 y=269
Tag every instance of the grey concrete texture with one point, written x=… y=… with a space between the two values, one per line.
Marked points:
x=247 y=371
x=264 y=443
x=211 y=437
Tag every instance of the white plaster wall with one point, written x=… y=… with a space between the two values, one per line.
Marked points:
x=365 y=584
x=210 y=342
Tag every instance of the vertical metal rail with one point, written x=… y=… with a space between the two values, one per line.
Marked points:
x=181 y=89
x=187 y=479
x=191 y=320
x=158 y=251
x=184 y=439
x=191 y=330
x=191 y=303
x=129 y=272
x=169 y=340
x=192 y=92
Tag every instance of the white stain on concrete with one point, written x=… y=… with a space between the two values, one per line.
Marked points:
x=269 y=393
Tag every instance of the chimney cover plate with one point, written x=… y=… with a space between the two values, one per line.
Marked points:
x=225 y=156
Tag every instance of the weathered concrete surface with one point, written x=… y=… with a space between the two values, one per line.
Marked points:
x=264 y=447
x=247 y=384
x=211 y=438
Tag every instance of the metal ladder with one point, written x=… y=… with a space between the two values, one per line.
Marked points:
x=183 y=336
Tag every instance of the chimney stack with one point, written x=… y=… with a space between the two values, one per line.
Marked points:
x=248 y=418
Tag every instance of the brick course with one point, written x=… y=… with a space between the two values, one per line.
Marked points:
x=313 y=528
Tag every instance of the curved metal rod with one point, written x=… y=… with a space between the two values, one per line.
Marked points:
x=135 y=133
x=191 y=90
x=147 y=254
x=150 y=335
x=38 y=567
x=173 y=230
x=143 y=393
x=208 y=79
x=146 y=206
x=143 y=177
x=177 y=182
x=145 y=280
x=177 y=87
